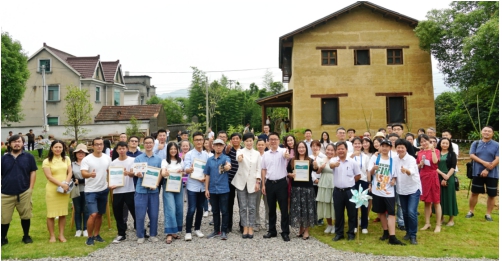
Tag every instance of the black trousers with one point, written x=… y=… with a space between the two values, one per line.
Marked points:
x=31 y=144
x=118 y=210
x=341 y=202
x=231 y=201
x=277 y=192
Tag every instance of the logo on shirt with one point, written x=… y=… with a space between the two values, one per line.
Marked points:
x=383 y=177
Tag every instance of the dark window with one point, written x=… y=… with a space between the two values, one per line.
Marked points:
x=53 y=93
x=395 y=56
x=361 y=57
x=330 y=111
x=98 y=93
x=52 y=121
x=47 y=64
x=329 y=57
x=147 y=92
x=396 y=109
x=142 y=100
x=116 y=97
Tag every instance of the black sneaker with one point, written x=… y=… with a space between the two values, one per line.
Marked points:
x=394 y=241
x=99 y=239
x=5 y=241
x=488 y=218
x=27 y=240
x=384 y=237
x=406 y=237
x=90 y=241
x=402 y=228
x=469 y=215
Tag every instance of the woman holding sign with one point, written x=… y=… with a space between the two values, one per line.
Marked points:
x=303 y=203
x=172 y=171
x=247 y=182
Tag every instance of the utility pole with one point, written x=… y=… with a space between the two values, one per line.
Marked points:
x=207 y=105
x=44 y=88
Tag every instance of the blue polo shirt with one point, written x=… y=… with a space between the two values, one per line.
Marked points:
x=16 y=173
x=153 y=161
x=486 y=151
x=134 y=154
x=218 y=183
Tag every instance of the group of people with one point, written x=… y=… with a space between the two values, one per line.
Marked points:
x=394 y=169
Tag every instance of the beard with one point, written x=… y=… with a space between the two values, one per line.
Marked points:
x=16 y=150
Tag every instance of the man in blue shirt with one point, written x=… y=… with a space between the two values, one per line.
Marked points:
x=217 y=188
x=485 y=171
x=147 y=199
x=18 y=179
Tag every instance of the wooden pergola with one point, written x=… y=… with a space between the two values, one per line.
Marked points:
x=283 y=99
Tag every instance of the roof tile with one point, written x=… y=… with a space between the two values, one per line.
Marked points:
x=121 y=113
x=109 y=69
x=84 y=65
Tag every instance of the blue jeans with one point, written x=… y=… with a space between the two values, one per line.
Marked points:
x=146 y=202
x=195 y=202
x=206 y=205
x=399 y=214
x=173 y=211
x=219 y=203
x=409 y=204
x=80 y=209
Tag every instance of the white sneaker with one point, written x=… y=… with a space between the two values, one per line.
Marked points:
x=332 y=229
x=355 y=230
x=141 y=240
x=209 y=208
x=188 y=237
x=199 y=233
x=205 y=214
x=154 y=239
x=328 y=229
x=78 y=233
x=85 y=233
x=365 y=231
x=118 y=239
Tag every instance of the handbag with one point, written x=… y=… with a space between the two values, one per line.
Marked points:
x=457 y=183
x=468 y=165
x=75 y=192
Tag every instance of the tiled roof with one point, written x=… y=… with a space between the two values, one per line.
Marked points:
x=59 y=53
x=122 y=113
x=84 y=65
x=109 y=69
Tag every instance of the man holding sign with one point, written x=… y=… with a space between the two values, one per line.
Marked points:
x=195 y=185
x=94 y=169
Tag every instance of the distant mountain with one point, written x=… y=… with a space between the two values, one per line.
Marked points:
x=174 y=94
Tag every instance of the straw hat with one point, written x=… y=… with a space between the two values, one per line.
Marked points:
x=81 y=147
x=379 y=134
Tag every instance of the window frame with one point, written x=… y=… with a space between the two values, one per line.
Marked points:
x=55 y=117
x=39 y=69
x=97 y=93
x=388 y=109
x=337 y=120
x=355 y=56
x=329 y=58
x=115 y=103
x=394 y=56
x=58 y=92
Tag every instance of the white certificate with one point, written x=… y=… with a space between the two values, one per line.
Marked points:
x=116 y=176
x=198 y=169
x=140 y=167
x=173 y=182
x=150 y=178
x=302 y=170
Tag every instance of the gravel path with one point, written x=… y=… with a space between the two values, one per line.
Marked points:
x=235 y=248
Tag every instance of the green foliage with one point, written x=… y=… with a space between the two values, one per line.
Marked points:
x=194 y=127
x=15 y=73
x=133 y=130
x=78 y=110
x=172 y=107
x=233 y=129
x=197 y=96
x=299 y=134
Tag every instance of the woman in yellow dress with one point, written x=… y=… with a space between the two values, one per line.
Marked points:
x=57 y=170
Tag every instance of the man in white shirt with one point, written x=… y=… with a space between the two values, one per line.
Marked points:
x=210 y=133
x=341 y=135
x=346 y=173
x=124 y=194
x=94 y=168
x=308 y=140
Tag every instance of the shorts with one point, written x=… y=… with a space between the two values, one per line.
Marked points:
x=478 y=186
x=383 y=204
x=23 y=206
x=96 y=201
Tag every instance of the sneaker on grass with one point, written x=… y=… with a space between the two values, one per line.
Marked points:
x=99 y=239
x=27 y=240
x=90 y=241
x=78 y=233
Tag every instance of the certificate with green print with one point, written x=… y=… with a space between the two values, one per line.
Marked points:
x=198 y=169
x=116 y=176
x=302 y=170
x=173 y=182
x=151 y=177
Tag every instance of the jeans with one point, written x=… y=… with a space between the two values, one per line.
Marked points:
x=219 y=203
x=247 y=207
x=80 y=209
x=206 y=205
x=363 y=209
x=173 y=211
x=119 y=201
x=409 y=204
x=399 y=214
x=146 y=202
x=195 y=202
x=40 y=152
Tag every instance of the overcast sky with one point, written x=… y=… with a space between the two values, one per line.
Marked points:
x=156 y=37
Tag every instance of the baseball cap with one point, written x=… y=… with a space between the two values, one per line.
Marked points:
x=218 y=141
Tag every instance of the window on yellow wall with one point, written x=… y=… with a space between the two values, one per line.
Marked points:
x=396 y=109
x=394 y=56
x=361 y=57
x=330 y=111
x=329 y=58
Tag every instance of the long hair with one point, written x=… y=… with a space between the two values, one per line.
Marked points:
x=286 y=142
x=297 y=154
x=371 y=148
x=450 y=147
x=107 y=144
x=168 y=154
x=323 y=140
x=63 y=153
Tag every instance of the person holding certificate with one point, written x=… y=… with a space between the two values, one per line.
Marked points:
x=247 y=182
x=172 y=196
x=122 y=193
x=346 y=173
x=195 y=161
x=303 y=212
x=146 y=199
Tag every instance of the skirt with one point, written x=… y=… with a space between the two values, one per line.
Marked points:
x=303 y=207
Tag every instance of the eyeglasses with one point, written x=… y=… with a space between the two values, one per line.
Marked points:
x=273 y=139
x=148 y=143
x=133 y=141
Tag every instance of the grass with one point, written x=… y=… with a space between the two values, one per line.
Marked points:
x=41 y=247
x=469 y=238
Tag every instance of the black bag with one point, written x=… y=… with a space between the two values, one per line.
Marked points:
x=457 y=183
x=468 y=165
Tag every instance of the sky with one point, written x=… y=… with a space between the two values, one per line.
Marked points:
x=164 y=39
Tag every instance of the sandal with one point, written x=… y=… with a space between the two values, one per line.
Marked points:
x=169 y=241
x=175 y=236
x=300 y=234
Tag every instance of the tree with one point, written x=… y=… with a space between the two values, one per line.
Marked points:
x=133 y=130
x=268 y=79
x=15 y=73
x=78 y=110
x=197 y=95
x=276 y=87
x=172 y=109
